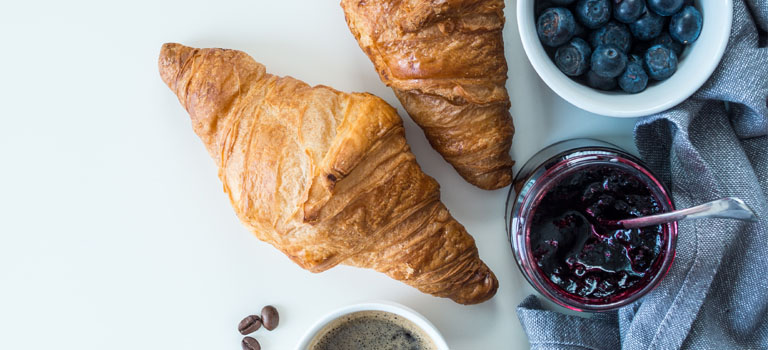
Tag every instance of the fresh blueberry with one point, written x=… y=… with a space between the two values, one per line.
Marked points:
x=555 y=26
x=665 y=7
x=685 y=25
x=628 y=11
x=563 y=2
x=599 y=82
x=648 y=26
x=614 y=33
x=635 y=58
x=634 y=79
x=608 y=61
x=573 y=57
x=666 y=40
x=593 y=13
x=660 y=62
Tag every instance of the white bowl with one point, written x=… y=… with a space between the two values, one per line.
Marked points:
x=696 y=65
x=385 y=306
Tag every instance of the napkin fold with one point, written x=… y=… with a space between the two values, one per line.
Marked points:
x=713 y=145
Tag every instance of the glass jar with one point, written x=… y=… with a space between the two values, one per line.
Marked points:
x=561 y=161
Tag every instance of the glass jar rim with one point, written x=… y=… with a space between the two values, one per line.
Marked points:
x=533 y=188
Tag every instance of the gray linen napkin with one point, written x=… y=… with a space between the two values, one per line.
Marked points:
x=716 y=294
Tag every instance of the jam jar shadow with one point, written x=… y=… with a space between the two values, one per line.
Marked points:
x=553 y=215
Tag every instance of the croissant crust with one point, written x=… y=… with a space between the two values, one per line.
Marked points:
x=445 y=61
x=324 y=176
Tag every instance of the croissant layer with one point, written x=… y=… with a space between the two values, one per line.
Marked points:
x=324 y=176
x=445 y=61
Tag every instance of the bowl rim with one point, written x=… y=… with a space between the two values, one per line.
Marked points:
x=560 y=83
x=386 y=306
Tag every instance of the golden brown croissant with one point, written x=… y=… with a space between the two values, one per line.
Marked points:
x=324 y=176
x=445 y=61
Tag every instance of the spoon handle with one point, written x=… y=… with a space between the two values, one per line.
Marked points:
x=725 y=208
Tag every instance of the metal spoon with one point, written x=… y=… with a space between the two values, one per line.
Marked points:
x=724 y=208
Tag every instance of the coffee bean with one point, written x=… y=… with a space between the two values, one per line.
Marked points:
x=251 y=344
x=269 y=317
x=249 y=325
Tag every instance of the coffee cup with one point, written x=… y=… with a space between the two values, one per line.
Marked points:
x=401 y=316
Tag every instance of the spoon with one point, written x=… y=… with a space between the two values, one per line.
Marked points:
x=724 y=208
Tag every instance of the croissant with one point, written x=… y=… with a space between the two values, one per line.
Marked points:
x=324 y=176
x=444 y=59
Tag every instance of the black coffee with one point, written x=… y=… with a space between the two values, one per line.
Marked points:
x=371 y=330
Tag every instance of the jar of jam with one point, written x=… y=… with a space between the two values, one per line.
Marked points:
x=558 y=218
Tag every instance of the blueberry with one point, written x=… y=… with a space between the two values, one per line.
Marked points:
x=634 y=58
x=660 y=62
x=613 y=33
x=593 y=13
x=608 y=61
x=555 y=26
x=665 y=7
x=666 y=40
x=563 y=2
x=634 y=79
x=599 y=82
x=685 y=25
x=628 y=11
x=648 y=26
x=573 y=57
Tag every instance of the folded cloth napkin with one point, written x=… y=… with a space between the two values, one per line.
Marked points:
x=713 y=145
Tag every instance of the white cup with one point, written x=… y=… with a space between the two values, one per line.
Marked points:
x=420 y=321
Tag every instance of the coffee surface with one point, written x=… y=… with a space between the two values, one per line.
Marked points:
x=371 y=330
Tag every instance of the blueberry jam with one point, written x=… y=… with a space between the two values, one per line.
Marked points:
x=583 y=259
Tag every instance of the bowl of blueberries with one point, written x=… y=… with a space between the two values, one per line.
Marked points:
x=624 y=58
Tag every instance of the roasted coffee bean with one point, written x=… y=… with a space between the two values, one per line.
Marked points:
x=249 y=325
x=269 y=317
x=251 y=344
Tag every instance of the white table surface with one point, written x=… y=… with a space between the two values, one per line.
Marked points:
x=114 y=230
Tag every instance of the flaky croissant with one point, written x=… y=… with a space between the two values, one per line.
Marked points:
x=445 y=61
x=324 y=176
